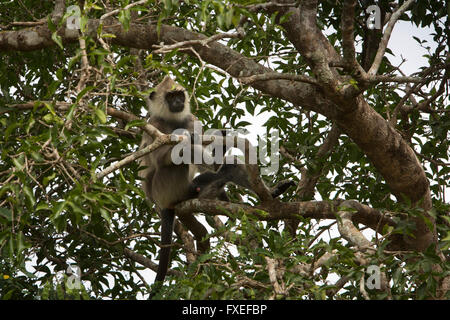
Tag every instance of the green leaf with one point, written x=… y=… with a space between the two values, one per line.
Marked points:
x=42 y=206
x=124 y=19
x=229 y=17
x=50 y=24
x=5 y=212
x=108 y=35
x=168 y=6
x=18 y=163
x=83 y=92
x=37 y=156
x=21 y=243
x=84 y=22
x=46 y=291
x=30 y=125
x=101 y=115
x=57 y=209
x=59 y=292
x=135 y=123
x=159 y=24
x=447 y=237
x=50 y=108
x=69 y=114
x=57 y=39
x=105 y=215
x=49 y=178
x=8 y=295
x=29 y=195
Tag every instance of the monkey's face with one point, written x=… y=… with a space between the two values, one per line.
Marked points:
x=175 y=100
x=169 y=100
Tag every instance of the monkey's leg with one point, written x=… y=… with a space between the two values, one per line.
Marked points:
x=198 y=230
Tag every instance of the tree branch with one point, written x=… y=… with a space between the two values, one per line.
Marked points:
x=276 y=210
x=203 y=42
x=348 y=41
x=113 y=12
x=385 y=39
x=277 y=76
x=139 y=258
x=158 y=142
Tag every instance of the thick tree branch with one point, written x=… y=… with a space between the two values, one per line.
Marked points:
x=387 y=78
x=278 y=76
x=276 y=210
x=354 y=236
x=348 y=41
x=187 y=239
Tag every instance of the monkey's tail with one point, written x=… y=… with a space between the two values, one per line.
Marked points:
x=167 y=218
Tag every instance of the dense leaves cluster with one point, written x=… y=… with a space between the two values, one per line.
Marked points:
x=55 y=213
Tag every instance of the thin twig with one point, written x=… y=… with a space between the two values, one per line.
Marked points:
x=203 y=42
x=111 y=13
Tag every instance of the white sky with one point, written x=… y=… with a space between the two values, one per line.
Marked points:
x=402 y=44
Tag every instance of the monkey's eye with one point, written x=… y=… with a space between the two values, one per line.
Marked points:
x=152 y=95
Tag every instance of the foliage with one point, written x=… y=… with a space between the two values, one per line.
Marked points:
x=55 y=213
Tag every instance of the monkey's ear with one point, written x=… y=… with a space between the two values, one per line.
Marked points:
x=152 y=95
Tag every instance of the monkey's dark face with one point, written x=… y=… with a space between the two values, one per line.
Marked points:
x=169 y=101
x=175 y=100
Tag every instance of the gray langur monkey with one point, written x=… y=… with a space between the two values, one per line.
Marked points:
x=166 y=183
x=163 y=182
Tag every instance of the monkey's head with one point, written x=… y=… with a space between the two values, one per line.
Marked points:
x=169 y=100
